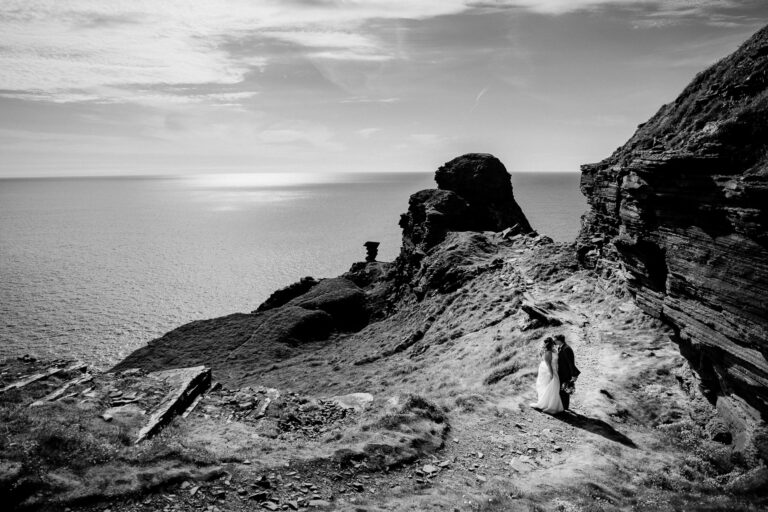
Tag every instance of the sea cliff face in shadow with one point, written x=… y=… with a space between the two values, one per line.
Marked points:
x=683 y=207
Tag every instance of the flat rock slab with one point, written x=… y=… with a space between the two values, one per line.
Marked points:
x=187 y=384
x=59 y=392
x=44 y=375
x=357 y=401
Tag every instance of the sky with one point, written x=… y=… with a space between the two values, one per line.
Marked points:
x=112 y=87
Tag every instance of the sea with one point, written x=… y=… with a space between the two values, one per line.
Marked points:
x=94 y=268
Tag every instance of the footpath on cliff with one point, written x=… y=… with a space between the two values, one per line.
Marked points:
x=397 y=386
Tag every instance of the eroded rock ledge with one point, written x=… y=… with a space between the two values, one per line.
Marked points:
x=683 y=205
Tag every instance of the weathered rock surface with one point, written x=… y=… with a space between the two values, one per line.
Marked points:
x=474 y=194
x=483 y=181
x=683 y=205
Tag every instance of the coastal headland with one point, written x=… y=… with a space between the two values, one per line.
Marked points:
x=405 y=385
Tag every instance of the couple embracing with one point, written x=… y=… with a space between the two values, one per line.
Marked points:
x=557 y=376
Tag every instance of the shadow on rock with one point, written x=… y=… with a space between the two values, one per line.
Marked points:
x=595 y=426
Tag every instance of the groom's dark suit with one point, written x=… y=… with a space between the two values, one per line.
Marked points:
x=566 y=370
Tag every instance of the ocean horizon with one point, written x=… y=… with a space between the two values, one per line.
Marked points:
x=95 y=267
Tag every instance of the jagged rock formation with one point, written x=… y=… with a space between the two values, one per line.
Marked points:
x=483 y=181
x=683 y=205
x=474 y=194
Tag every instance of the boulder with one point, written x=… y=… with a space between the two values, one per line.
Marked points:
x=356 y=401
x=683 y=206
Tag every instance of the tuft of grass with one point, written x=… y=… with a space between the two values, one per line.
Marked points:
x=500 y=373
x=470 y=403
x=71 y=446
x=415 y=408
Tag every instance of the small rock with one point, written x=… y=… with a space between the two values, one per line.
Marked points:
x=270 y=505
x=106 y=417
x=319 y=503
x=481 y=478
x=429 y=469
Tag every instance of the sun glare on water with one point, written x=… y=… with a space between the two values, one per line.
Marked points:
x=258 y=180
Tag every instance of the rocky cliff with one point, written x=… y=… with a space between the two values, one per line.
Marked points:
x=474 y=194
x=458 y=318
x=683 y=206
x=443 y=248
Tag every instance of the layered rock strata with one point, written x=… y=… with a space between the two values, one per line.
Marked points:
x=683 y=205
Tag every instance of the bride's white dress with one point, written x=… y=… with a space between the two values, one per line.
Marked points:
x=548 y=390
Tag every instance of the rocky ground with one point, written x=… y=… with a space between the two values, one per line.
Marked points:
x=441 y=421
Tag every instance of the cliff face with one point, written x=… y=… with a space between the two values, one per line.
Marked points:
x=684 y=206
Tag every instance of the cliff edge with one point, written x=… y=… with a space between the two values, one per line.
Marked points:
x=683 y=207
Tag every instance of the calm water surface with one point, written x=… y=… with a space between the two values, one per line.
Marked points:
x=93 y=268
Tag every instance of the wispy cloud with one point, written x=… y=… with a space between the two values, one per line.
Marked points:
x=360 y=99
x=427 y=139
x=97 y=50
x=69 y=51
x=366 y=133
x=292 y=132
x=478 y=97
x=645 y=13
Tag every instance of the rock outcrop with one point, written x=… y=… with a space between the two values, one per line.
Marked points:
x=483 y=181
x=307 y=311
x=683 y=206
x=474 y=194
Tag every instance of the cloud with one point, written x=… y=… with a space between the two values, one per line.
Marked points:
x=111 y=51
x=478 y=97
x=366 y=133
x=659 y=12
x=426 y=139
x=71 y=50
x=291 y=132
x=360 y=99
x=335 y=45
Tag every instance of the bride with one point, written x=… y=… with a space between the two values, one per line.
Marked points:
x=548 y=383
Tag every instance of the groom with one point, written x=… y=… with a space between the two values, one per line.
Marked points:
x=566 y=369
